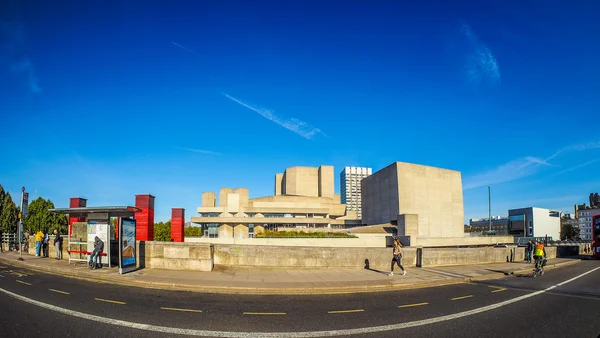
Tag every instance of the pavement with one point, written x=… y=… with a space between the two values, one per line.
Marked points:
x=282 y=281
x=564 y=302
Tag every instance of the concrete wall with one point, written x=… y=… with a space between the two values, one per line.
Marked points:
x=209 y=199
x=302 y=181
x=278 y=184
x=435 y=195
x=326 y=182
x=455 y=241
x=379 y=196
x=203 y=256
x=367 y=242
x=175 y=256
x=307 y=257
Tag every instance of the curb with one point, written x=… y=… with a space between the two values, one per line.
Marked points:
x=128 y=281
x=547 y=267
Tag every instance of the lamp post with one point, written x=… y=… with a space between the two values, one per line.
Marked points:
x=490 y=207
x=20 y=230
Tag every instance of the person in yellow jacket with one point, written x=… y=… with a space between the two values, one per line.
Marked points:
x=39 y=236
x=539 y=253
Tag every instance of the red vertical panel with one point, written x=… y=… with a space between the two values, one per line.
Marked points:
x=177 y=224
x=76 y=202
x=145 y=218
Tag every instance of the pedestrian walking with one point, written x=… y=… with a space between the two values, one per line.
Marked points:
x=397 y=258
x=39 y=237
x=528 y=251
x=58 y=244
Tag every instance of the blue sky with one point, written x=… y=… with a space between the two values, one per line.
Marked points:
x=108 y=99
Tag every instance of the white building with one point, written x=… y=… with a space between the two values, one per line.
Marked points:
x=585 y=222
x=534 y=222
x=350 y=188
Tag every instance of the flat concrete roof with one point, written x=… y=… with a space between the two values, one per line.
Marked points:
x=117 y=211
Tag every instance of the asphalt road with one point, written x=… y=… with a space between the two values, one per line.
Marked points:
x=572 y=309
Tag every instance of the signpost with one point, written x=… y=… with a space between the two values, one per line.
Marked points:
x=127 y=254
x=22 y=212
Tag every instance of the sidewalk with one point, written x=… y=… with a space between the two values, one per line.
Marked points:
x=281 y=281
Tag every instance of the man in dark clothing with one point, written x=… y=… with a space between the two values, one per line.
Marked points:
x=528 y=251
x=98 y=247
x=58 y=244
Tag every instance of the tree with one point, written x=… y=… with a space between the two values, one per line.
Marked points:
x=9 y=216
x=193 y=231
x=569 y=231
x=162 y=231
x=38 y=217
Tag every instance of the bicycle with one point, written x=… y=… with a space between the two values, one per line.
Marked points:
x=539 y=267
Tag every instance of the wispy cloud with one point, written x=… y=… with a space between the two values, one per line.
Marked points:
x=184 y=48
x=296 y=125
x=577 y=167
x=506 y=172
x=13 y=44
x=523 y=167
x=481 y=65
x=201 y=151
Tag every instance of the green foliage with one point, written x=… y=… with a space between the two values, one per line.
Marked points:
x=9 y=213
x=162 y=231
x=193 y=231
x=569 y=231
x=302 y=234
x=38 y=217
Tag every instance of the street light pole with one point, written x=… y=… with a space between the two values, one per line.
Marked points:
x=20 y=230
x=490 y=207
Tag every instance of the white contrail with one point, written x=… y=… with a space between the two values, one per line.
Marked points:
x=296 y=125
x=189 y=50
x=201 y=151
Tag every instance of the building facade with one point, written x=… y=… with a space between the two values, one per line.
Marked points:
x=499 y=224
x=423 y=201
x=304 y=199
x=350 y=187
x=584 y=216
x=534 y=222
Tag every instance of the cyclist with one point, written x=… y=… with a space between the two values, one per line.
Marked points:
x=539 y=254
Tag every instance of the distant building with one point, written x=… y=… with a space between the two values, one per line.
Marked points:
x=350 y=188
x=585 y=222
x=534 y=222
x=304 y=198
x=499 y=224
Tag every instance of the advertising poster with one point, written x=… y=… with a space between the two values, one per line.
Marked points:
x=127 y=252
x=100 y=229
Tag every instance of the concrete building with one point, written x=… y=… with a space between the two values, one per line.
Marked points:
x=424 y=202
x=584 y=217
x=499 y=224
x=304 y=199
x=534 y=222
x=350 y=187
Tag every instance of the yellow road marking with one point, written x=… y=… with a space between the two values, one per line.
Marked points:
x=463 y=297
x=20 y=281
x=265 y=313
x=495 y=287
x=110 y=301
x=177 y=309
x=345 y=311
x=58 y=291
x=500 y=290
x=411 y=305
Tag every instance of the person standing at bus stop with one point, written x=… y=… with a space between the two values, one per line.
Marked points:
x=39 y=237
x=58 y=244
x=528 y=251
